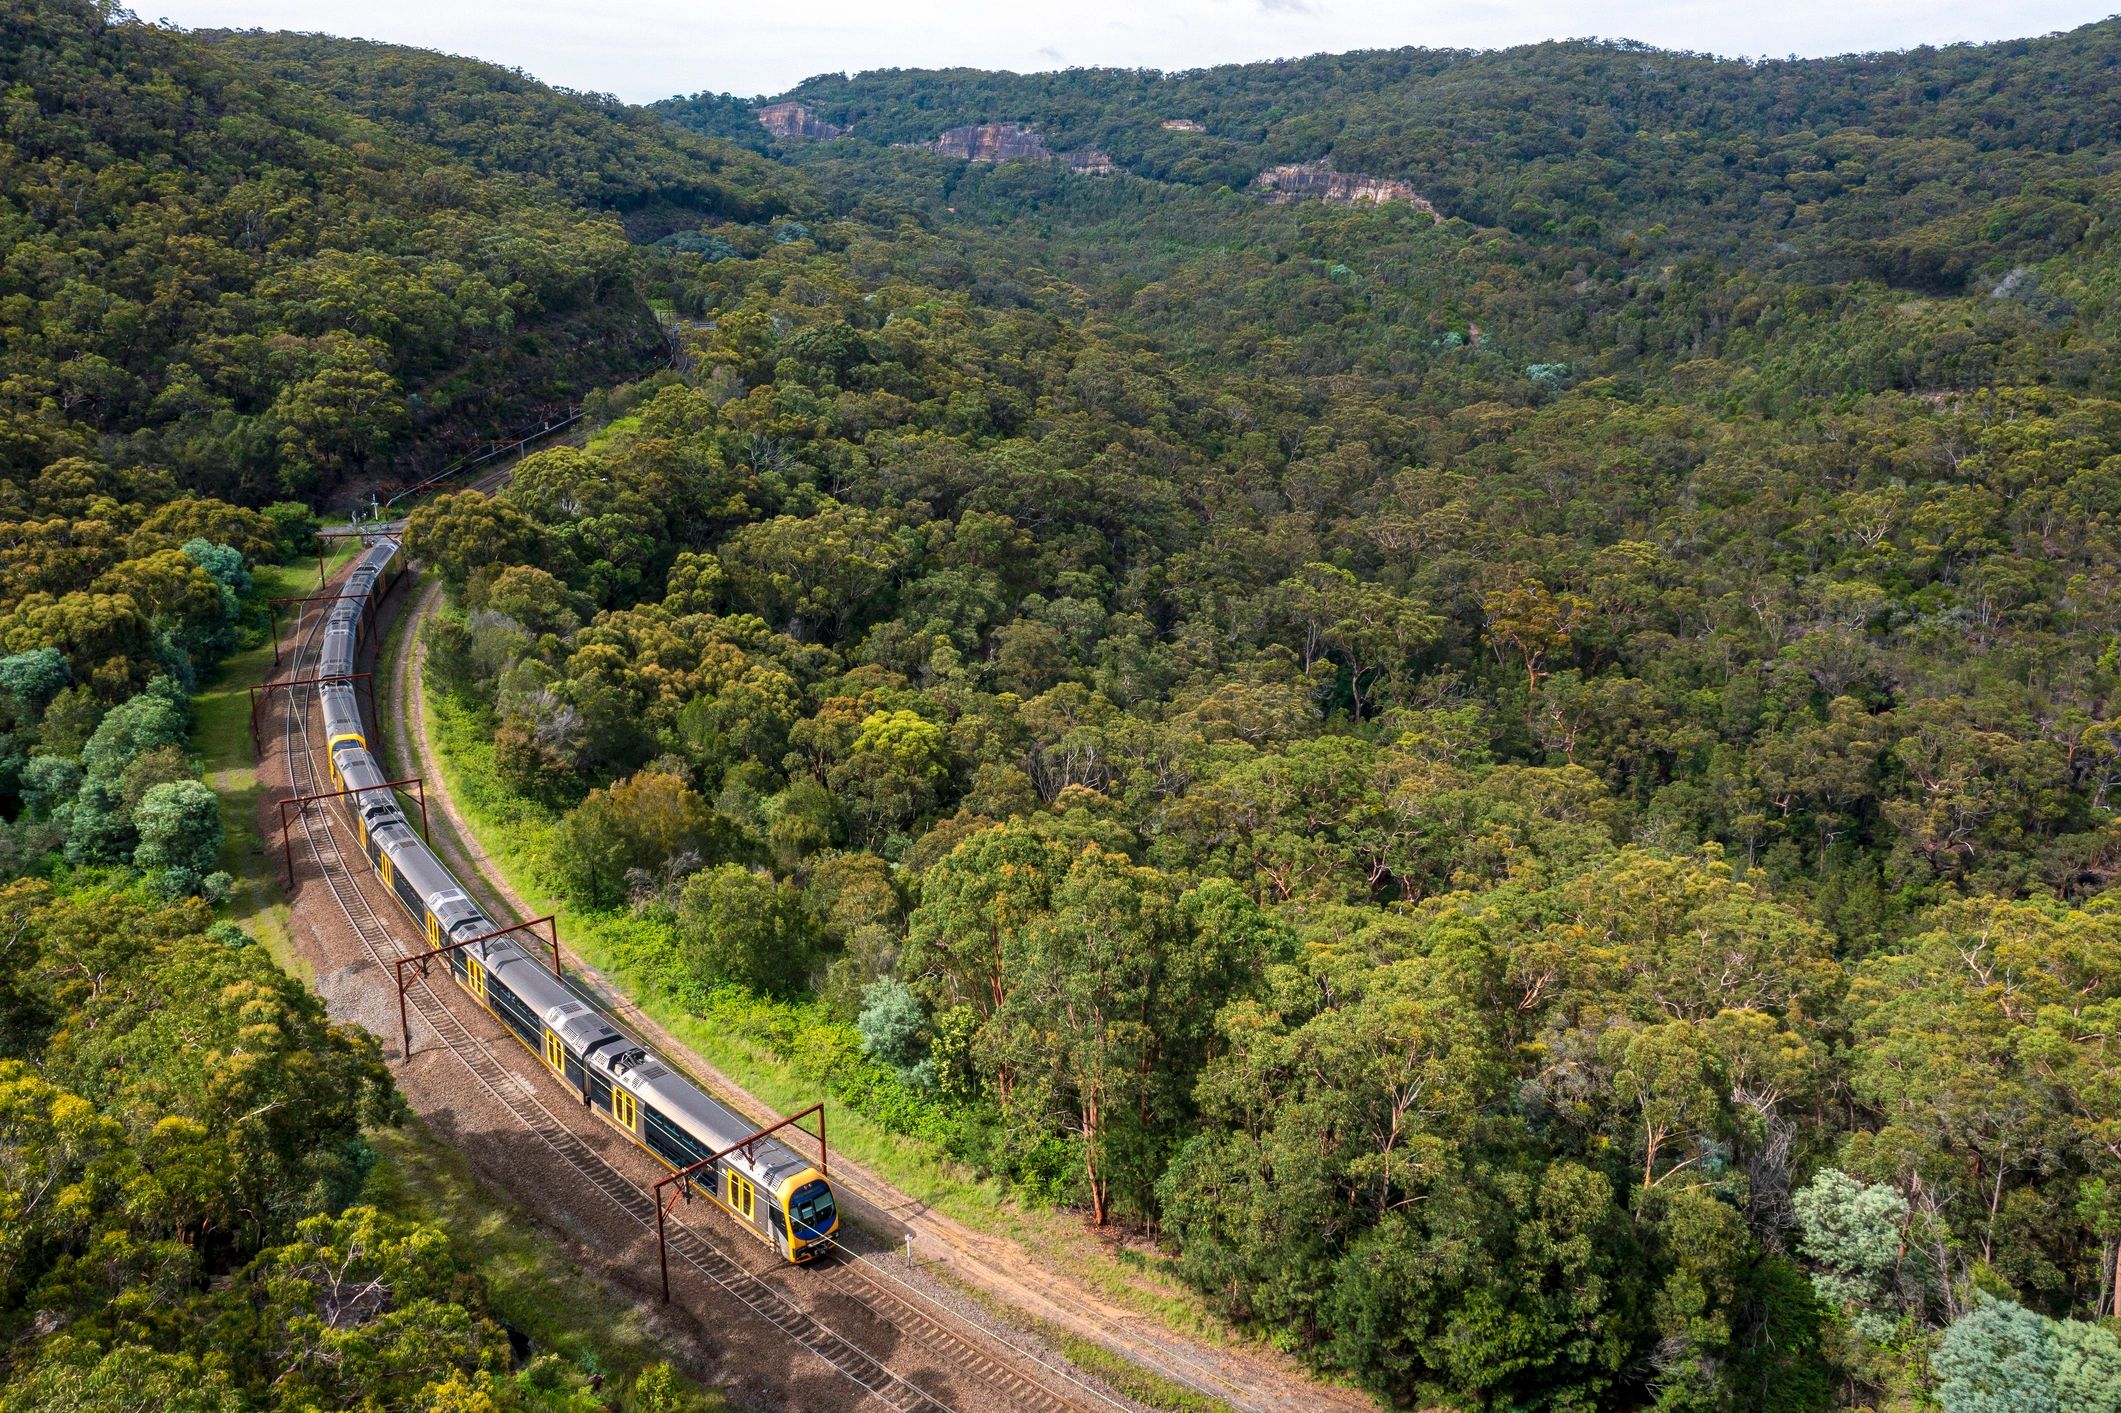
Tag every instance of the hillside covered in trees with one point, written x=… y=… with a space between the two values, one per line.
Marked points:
x=1528 y=792
x=239 y=282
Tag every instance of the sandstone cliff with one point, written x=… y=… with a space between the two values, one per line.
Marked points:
x=1317 y=181
x=793 y=122
x=994 y=142
x=1011 y=142
x=1182 y=125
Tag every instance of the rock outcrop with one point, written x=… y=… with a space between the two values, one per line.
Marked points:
x=994 y=142
x=1182 y=125
x=1317 y=181
x=1011 y=142
x=794 y=122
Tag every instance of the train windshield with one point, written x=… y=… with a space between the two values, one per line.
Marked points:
x=812 y=1209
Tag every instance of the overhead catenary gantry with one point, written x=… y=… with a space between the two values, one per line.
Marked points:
x=366 y=534
x=550 y=922
x=287 y=845
x=368 y=611
x=261 y=692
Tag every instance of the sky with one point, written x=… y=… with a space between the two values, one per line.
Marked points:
x=649 y=49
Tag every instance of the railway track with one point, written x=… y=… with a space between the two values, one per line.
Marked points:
x=520 y=1098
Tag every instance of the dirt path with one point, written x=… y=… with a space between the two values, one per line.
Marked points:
x=1249 y=1379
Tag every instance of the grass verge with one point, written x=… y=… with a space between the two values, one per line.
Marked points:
x=221 y=741
x=1131 y=1379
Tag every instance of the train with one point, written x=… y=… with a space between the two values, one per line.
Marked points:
x=772 y=1191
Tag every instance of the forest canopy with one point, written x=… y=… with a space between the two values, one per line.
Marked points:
x=1527 y=790
x=235 y=280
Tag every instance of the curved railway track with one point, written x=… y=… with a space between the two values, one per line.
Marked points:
x=519 y=1096
x=940 y=1322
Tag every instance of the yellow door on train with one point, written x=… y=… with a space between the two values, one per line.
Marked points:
x=475 y=978
x=743 y=1197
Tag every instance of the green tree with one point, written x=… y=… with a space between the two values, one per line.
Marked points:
x=466 y=531
x=1373 y=632
x=736 y=925
x=893 y=1026
x=893 y=768
x=976 y=907
x=635 y=831
x=815 y=576
x=180 y=830
x=1851 y=1232
x=1530 y=622
x=601 y=523
x=344 y=413
x=534 y=598
x=1997 y=1358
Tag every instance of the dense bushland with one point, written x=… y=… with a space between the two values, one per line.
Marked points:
x=1476 y=906
x=234 y=280
x=1531 y=793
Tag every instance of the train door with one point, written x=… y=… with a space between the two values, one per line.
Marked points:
x=567 y=1065
x=434 y=930
x=743 y=1198
x=383 y=867
x=475 y=978
x=777 y=1228
x=624 y=1111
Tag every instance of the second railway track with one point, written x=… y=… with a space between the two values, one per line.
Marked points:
x=993 y=1369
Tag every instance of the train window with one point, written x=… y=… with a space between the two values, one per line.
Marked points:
x=675 y=1147
x=812 y=1209
x=517 y=1016
x=555 y=1052
x=622 y=1108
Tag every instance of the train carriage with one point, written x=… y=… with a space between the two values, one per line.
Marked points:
x=769 y=1188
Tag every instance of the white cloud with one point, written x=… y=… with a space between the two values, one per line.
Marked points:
x=649 y=49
